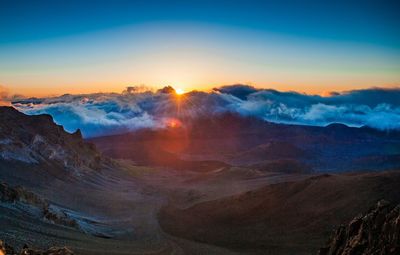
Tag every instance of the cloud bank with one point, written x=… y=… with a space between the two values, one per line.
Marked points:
x=6 y=98
x=107 y=113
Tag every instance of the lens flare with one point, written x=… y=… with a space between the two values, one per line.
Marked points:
x=179 y=91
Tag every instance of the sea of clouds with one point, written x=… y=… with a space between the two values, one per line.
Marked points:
x=108 y=113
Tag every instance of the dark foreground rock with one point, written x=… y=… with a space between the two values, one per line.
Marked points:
x=375 y=233
x=50 y=251
x=6 y=249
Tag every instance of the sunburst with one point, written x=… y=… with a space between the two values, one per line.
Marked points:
x=179 y=91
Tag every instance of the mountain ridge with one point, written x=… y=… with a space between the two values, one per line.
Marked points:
x=38 y=140
x=246 y=141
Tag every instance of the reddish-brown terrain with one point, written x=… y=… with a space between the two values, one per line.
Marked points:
x=284 y=218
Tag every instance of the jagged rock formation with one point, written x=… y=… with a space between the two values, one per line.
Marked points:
x=48 y=212
x=37 y=139
x=375 y=233
x=6 y=249
x=58 y=217
x=20 y=194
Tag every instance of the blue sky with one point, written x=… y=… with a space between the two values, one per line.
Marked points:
x=375 y=22
x=309 y=46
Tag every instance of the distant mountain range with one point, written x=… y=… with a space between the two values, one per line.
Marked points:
x=245 y=141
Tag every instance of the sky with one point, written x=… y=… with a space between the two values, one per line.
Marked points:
x=57 y=47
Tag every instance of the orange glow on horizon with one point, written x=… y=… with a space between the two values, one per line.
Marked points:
x=309 y=88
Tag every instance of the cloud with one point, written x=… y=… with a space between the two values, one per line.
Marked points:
x=167 y=90
x=137 y=107
x=370 y=97
x=378 y=108
x=136 y=89
x=6 y=97
x=238 y=90
x=3 y=95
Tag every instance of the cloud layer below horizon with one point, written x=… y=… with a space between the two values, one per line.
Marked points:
x=108 y=113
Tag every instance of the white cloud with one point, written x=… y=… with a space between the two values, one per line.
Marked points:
x=101 y=113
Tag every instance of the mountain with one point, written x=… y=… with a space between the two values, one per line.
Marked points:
x=57 y=190
x=284 y=218
x=247 y=141
x=154 y=147
x=226 y=185
x=36 y=140
x=44 y=170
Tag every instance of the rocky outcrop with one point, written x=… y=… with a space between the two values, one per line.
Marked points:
x=37 y=139
x=58 y=217
x=6 y=249
x=20 y=194
x=375 y=233
x=50 y=251
x=48 y=212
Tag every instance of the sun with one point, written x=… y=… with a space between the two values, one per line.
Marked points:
x=179 y=91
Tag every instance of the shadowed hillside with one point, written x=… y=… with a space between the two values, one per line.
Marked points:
x=285 y=218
